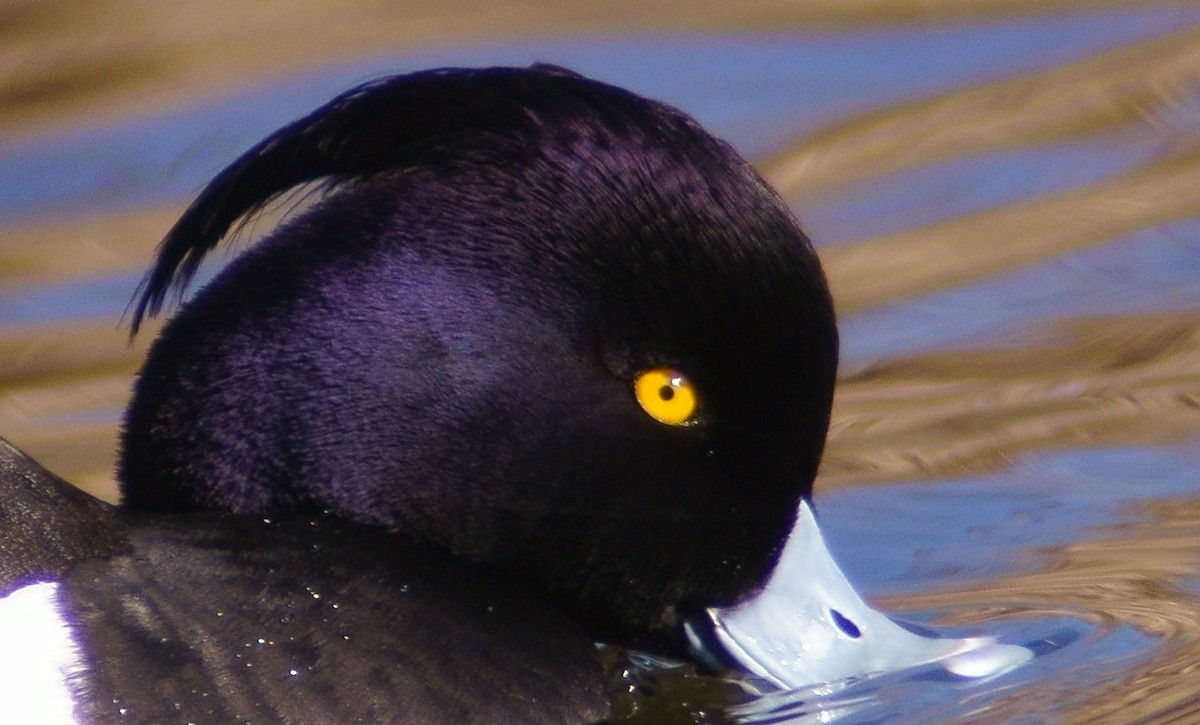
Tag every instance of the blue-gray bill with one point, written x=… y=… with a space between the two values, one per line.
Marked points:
x=808 y=626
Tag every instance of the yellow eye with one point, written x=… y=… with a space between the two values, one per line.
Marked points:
x=666 y=395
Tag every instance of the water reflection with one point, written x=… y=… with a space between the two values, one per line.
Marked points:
x=1009 y=213
x=888 y=203
x=1153 y=270
x=1135 y=579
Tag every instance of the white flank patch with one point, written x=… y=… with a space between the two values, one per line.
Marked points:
x=37 y=655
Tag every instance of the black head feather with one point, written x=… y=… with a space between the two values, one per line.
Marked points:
x=445 y=345
x=371 y=128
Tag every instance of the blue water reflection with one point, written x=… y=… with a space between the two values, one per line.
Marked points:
x=1154 y=270
x=91 y=298
x=886 y=203
x=995 y=525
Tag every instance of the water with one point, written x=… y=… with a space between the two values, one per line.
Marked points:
x=1009 y=210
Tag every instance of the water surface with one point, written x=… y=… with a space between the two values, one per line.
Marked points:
x=1008 y=206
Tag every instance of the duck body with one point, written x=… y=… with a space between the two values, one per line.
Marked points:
x=221 y=618
x=391 y=463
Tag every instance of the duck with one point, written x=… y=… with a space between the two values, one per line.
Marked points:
x=540 y=363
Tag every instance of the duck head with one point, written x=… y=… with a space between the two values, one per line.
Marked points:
x=534 y=320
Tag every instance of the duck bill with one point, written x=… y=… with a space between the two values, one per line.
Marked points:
x=808 y=626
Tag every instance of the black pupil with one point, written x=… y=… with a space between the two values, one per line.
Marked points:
x=666 y=392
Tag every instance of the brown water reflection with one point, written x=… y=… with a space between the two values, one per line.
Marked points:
x=1129 y=376
x=1132 y=379
x=110 y=58
x=1136 y=574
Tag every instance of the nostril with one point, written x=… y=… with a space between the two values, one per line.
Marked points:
x=848 y=627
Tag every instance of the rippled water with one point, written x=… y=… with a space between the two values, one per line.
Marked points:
x=1008 y=206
